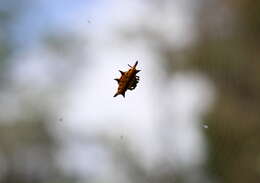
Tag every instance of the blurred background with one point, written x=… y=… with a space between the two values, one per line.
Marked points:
x=193 y=118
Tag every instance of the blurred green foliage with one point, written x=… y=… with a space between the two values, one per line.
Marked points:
x=227 y=51
x=232 y=62
x=27 y=148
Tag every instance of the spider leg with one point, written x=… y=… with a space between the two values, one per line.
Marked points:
x=132 y=87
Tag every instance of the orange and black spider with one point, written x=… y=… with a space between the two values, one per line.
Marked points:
x=128 y=80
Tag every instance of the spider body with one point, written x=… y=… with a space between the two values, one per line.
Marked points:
x=128 y=80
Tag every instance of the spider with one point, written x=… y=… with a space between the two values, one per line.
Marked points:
x=128 y=80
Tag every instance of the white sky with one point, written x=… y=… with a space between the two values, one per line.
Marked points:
x=92 y=110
